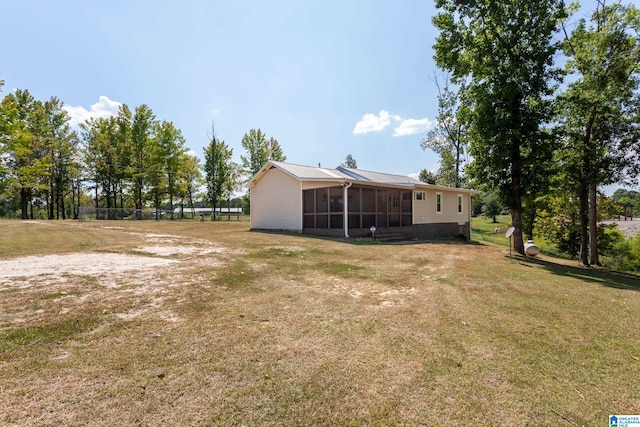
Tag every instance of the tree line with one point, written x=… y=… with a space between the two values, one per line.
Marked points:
x=129 y=160
x=546 y=106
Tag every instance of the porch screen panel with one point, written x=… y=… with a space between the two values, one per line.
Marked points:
x=405 y=208
x=406 y=202
x=381 y=209
x=336 y=202
x=322 y=200
x=382 y=202
x=322 y=221
x=308 y=197
x=368 y=220
x=368 y=200
x=309 y=221
x=337 y=221
x=354 y=220
x=354 y=199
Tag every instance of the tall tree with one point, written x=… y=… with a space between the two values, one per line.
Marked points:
x=60 y=144
x=141 y=138
x=27 y=164
x=101 y=158
x=232 y=184
x=189 y=180
x=350 y=162
x=599 y=109
x=155 y=179
x=217 y=156
x=447 y=137
x=172 y=148
x=123 y=154
x=503 y=51
x=259 y=151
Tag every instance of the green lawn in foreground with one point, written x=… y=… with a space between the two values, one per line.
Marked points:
x=270 y=329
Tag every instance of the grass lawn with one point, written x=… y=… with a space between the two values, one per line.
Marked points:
x=201 y=323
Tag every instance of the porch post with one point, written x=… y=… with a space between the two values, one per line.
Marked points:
x=345 y=204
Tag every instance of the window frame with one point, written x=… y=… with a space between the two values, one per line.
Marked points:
x=439 y=202
x=459 y=202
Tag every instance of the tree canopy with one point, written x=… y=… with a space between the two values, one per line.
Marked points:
x=218 y=170
x=599 y=111
x=447 y=137
x=503 y=52
x=259 y=150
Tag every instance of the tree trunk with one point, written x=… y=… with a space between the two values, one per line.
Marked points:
x=516 y=204
x=157 y=203
x=593 y=225
x=516 y=222
x=62 y=207
x=458 y=160
x=48 y=196
x=584 y=224
x=170 y=189
x=97 y=203
x=516 y=180
x=73 y=200
x=193 y=210
x=24 y=203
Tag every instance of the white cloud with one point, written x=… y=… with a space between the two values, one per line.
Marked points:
x=376 y=122
x=412 y=127
x=373 y=123
x=105 y=107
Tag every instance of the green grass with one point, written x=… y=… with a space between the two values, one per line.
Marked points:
x=483 y=229
x=44 y=334
x=293 y=330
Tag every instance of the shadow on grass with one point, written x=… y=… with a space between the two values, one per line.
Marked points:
x=366 y=241
x=601 y=276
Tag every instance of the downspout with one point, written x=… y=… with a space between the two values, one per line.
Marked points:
x=346 y=208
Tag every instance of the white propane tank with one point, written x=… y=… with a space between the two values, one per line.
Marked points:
x=531 y=249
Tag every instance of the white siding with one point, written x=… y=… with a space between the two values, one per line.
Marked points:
x=424 y=211
x=276 y=202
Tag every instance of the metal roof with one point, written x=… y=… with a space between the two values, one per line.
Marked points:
x=310 y=172
x=342 y=174
x=378 y=177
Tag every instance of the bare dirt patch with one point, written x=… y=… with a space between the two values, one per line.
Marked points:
x=83 y=264
x=129 y=283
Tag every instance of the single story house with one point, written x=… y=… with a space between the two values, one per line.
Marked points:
x=348 y=202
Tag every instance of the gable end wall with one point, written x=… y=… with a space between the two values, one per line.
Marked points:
x=276 y=202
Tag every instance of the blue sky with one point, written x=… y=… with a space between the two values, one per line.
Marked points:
x=325 y=78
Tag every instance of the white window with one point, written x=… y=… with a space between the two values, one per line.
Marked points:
x=420 y=195
x=459 y=203
x=438 y=202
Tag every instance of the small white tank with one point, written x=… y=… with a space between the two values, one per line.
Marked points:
x=531 y=249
